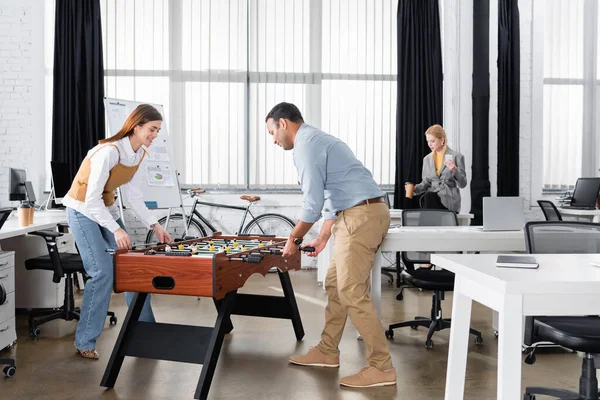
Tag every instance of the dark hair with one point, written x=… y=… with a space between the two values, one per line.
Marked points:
x=143 y=113
x=285 y=110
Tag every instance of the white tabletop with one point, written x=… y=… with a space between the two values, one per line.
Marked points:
x=557 y=273
x=41 y=220
x=451 y=238
x=564 y=284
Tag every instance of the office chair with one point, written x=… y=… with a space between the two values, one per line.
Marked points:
x=575 y=333
x=550 y=211
x=62 y=264
x=440 y=281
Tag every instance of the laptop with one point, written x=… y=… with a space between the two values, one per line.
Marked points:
x=585 y=194
x=503 y=213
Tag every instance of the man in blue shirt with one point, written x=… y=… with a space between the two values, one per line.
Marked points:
x=335 y=181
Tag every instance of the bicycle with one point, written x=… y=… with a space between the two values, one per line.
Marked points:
x=268 y=224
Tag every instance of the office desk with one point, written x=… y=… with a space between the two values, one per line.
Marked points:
x=35 y=289
x=594 y=215
x=41 y=220
x=11 y=268
x=514 y=293
x=464 y=219
x=439 y=239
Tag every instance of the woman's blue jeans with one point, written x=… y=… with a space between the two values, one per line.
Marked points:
x=92 y=241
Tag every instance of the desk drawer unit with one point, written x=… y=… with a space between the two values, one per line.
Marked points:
x=8 y=333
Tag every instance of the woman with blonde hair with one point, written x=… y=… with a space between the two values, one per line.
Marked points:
x=443 y=173
x=94 y=218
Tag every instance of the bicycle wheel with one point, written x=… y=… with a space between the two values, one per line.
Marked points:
x=270 y=224
x=176 y=228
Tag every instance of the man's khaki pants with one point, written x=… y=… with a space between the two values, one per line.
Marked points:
x=358 y=232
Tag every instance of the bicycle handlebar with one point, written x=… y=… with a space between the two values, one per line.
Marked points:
x=193 y=192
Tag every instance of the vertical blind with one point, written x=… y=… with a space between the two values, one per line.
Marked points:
x=219 y=66
x=563 y=92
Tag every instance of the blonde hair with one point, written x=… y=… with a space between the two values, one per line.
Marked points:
x=438 y=132
x=142 y=114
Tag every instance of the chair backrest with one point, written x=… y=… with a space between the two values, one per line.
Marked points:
x=425 y=218
x=550 y=211
x=4 y=213
x=558 y=237
x=562 y=237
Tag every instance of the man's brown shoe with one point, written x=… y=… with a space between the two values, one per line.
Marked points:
x=315 y=358
x=370 y=377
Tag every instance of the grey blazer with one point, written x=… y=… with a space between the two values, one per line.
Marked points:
x=447 y=184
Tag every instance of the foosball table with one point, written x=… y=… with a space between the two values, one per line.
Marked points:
x=216 y=267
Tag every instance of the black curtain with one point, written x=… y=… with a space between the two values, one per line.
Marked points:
x=480 y=182
x=419 y=103
x=508 y=97
x=78 y=110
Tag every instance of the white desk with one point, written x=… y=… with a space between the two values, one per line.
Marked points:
x=464 y=219
x=439 y=239
x=594 y=215
x=514 y=293
x=35 y=289
x=41 y=220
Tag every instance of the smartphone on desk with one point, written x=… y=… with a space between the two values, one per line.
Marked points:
x=526 y=262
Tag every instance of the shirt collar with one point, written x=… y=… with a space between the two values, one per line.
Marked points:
x=126 y=146
x=304 y=127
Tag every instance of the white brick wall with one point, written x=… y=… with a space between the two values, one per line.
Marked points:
x=21 y=92
x=525 y=118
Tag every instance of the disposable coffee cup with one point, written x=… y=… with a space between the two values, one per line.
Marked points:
x=23 y=213
x=410 y=189
x=31 y=211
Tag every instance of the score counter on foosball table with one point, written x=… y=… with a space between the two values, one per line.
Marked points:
x=216 y=267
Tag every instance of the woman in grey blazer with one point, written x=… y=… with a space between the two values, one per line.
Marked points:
x=443 y=173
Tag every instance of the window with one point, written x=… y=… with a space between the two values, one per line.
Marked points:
x=219 y=66
x=569 y=93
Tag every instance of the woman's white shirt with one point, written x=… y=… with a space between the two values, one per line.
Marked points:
x=106 y=157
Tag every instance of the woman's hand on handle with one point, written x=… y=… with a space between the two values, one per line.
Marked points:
x=162 y=235
x=122 y=239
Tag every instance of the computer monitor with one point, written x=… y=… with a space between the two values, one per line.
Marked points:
x=61 y=179
x=503 y=213
x=586 y=192
x=17 y=178
x=30 y=192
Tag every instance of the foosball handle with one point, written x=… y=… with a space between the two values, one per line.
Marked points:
x=308 y=249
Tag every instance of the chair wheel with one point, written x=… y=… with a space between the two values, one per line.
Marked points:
x=400 y=296
x=478 y=340
x=496 y=333
x=528 y=396
x=414 y=327
x=35 y=332
x=389 y=333
x=113 y=320
x=10 y=371
x=429 y=344
x=530 y=359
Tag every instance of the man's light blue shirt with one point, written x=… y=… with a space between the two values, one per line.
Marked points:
x=331 y=177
